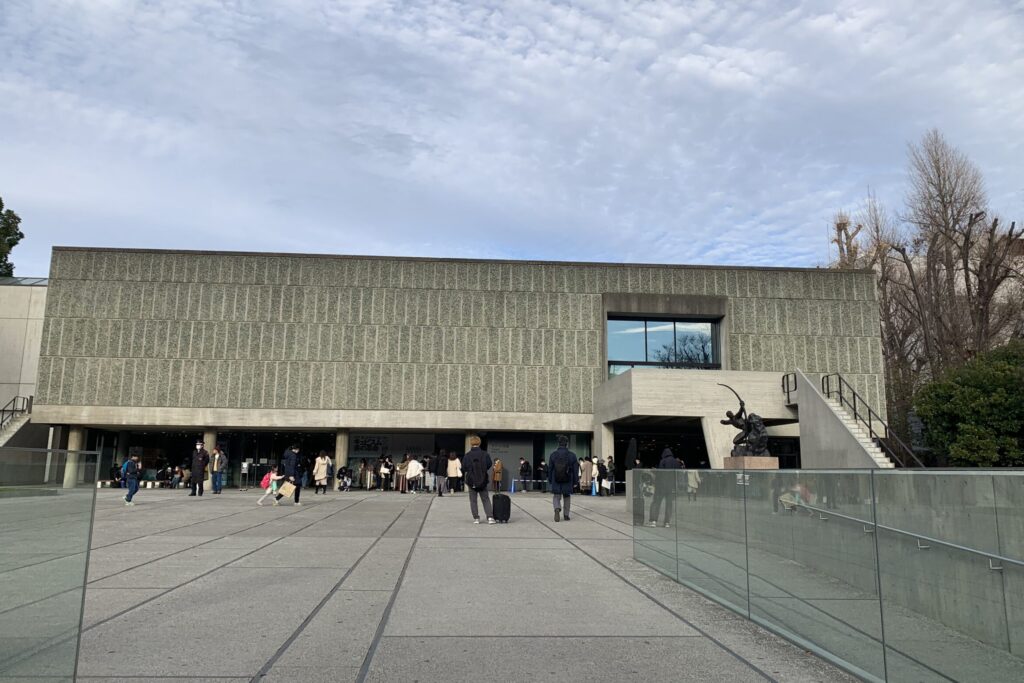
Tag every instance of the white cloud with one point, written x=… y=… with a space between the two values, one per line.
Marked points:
x=634 y=130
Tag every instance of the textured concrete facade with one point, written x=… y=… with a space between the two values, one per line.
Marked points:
x=263 y=331
x=21 y=326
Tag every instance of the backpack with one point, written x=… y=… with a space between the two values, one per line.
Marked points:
x=476 y=475
x=561 y=471
x=265 y=483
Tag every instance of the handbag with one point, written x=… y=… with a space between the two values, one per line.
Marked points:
x=286 y=489
x=384 y=471
x=606 y=485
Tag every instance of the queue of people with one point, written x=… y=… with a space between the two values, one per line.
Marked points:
x=441 y=474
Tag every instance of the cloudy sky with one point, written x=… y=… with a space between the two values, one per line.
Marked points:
x=609 y=130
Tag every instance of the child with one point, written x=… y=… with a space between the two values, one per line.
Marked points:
x=269 y=484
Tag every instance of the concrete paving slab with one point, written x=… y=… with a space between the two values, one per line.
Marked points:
x=102 y=603
x=226 y=625
x=325 y=672
x=560 y=592
x=172 y=570
x=556 y=659
x=340 y=634
x=381 y=567
x=304 y=552
x=514 y=543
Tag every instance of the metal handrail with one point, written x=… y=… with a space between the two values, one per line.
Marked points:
x=789 y=385
x=903 y=532
x=849 y=397
x=16 y=406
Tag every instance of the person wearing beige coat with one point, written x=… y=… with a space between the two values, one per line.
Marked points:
x=320 y=466
x=586 y=475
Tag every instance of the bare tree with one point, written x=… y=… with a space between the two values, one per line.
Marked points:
x=950 y=278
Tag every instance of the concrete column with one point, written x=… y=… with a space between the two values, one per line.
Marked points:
x=122 y=446
x=76 y=440
x=718 y=439
x=340 y=450
x=604 y=442
x=209 y=443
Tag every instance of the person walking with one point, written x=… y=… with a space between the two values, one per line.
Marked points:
x=476 y=464
x=271 y=480
x=218 y=465
x=200 y=459
x=440 y=464
x=454 y=471
x=292 y=467
x=131 y=478
x=664 y=487
x=524 y=475
x=542 y=476
x=563 y=476
x=320 y=468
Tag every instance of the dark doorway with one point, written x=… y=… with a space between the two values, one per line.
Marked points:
x=653 y=435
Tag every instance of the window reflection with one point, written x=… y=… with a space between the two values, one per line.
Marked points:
x=639 y=343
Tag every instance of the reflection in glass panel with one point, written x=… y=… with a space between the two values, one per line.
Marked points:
x=626 y=340
x=693 y=343
x=660 y=341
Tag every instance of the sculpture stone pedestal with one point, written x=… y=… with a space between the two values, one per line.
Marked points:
x=750 y=462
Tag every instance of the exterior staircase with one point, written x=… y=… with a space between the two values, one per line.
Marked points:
x=13 y=416
x=861 y=434
x=860 y=420
x=12 y=427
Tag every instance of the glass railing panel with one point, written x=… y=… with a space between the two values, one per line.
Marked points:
x=654 y=498
x=945 y=602
x=811 y=557
x=711 y=535
x=45 y=529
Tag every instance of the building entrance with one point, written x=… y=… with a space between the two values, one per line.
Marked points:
x=646 y=440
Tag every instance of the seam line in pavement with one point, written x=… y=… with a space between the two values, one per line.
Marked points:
x=372 y=650
x=61 y=639
x=316 y=610
x=656 y=601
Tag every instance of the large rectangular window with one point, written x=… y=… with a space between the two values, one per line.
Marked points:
x=637 y=342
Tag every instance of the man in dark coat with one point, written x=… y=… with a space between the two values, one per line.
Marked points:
x=200 y=459
x=440 y=470
x=541 y=476
x=563 y=477
x=292 y=467
x=664 y=487
x=476 y=469
x=524 y=474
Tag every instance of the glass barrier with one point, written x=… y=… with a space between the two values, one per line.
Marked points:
x=46 y=512
x=893 y=575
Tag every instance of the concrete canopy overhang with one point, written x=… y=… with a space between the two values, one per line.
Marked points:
x=646 y=396
x=690 y=393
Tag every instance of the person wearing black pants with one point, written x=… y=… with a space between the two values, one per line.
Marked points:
x=292 y=467
x=664 y=488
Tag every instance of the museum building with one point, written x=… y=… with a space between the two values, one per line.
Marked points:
x=361 y=356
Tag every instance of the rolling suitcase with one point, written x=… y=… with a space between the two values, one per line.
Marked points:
x=502 y=507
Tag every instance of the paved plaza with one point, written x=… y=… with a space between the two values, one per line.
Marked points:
x=388 y=587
